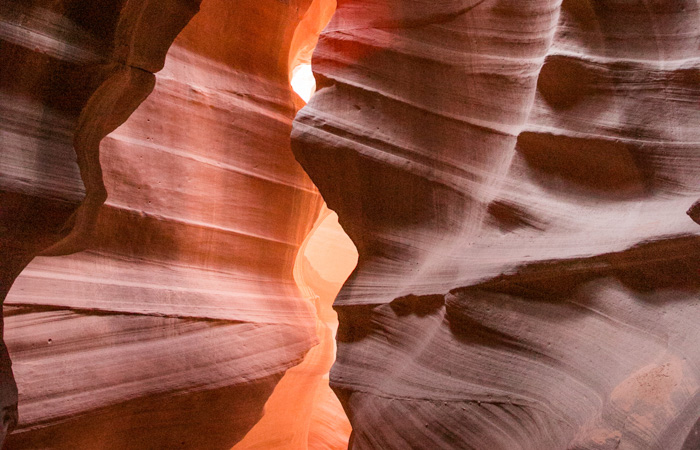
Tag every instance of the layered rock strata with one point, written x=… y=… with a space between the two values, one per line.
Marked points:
x=72 y=73
x=516 y=177
x=175 y=326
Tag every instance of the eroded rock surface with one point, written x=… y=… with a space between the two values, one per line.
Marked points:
x=521 y=180
x=516 y=177
x=173 y=329
x=71 y=73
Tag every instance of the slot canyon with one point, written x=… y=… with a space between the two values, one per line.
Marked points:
x=481 y=231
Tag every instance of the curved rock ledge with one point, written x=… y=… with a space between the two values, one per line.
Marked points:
x=521 y=180
x=174 y=328
x=77 y=72
x=516 y=177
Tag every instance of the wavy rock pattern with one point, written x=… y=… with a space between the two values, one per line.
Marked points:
x=74 y=73
x=174 y=328
x=516 y=177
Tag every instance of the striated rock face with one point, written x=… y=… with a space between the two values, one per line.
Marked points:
x=521 y=179
x=71 y=73
x=174 y=328
x=516 y=177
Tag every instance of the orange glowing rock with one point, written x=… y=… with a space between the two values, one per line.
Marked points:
x=520 y=178
x=303 y=412
x=175 y=326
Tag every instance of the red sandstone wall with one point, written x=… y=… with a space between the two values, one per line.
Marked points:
x=176 y=324
x=71 y=73
x=516 y=177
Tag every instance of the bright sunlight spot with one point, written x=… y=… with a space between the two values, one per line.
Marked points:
x=303 y=81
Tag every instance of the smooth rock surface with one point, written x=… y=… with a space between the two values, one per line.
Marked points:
x=516 y=177
x=521 y=180
x=174 y=328
x=72 y=72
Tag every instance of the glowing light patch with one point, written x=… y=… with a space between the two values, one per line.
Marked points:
x=303 y=81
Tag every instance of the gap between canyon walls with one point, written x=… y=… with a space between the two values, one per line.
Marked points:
x=303 y=412
x=176 y=325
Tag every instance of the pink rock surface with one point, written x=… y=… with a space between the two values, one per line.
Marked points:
x=521 y=180
x=516 y=177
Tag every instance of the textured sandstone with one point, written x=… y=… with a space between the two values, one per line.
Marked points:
x=74 y=73
x=517 y=190
x=521 y=179
x=173 y=329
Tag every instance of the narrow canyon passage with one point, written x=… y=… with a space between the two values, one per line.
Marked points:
x=303 y=412
x=520 y=180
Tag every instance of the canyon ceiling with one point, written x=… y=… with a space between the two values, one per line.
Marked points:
x=520 y=180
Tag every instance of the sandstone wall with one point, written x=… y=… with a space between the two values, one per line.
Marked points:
x=516 y=177
x=174 y=327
